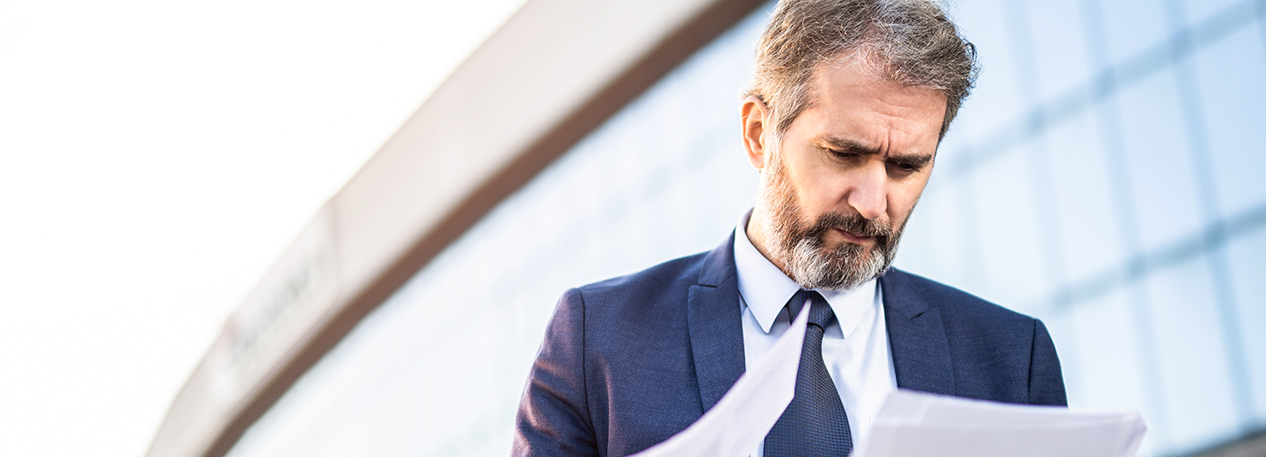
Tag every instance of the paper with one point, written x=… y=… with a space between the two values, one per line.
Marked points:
x=743 y=416
x=913 y=424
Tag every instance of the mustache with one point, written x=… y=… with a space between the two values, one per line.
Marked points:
x=854 y=224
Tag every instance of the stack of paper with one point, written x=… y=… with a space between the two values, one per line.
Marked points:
x=912 y=424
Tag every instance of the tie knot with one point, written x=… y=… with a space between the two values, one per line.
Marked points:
x=820 y=313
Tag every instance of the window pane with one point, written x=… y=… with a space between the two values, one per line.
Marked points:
x=1232 y=76
x=1132 y=26
x=1012 y=246
x=1247 y=259
x=994 y=101
x=1197 y=11
x=1089 y=222
x=1160 y=166
x=1059 y=44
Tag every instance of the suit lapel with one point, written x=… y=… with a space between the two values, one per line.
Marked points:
x=916 y=335
x=715 y=325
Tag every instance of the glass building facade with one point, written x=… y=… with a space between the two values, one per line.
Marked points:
x=1105 y=176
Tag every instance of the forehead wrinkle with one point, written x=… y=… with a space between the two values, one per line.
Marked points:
x=885 y=118
x=895 y=119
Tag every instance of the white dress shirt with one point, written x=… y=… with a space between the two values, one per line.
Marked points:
x=854 y=348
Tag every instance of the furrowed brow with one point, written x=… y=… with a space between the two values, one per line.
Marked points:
x=914 y=160
x=911 y=160
x=848 y=145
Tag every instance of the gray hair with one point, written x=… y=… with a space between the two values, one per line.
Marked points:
x=910 y=42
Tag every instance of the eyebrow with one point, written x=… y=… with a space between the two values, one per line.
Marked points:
x=853 y=147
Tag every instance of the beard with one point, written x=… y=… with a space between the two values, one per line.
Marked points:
x=802 y=248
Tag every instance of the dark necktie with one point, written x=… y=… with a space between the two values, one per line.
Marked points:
x=814 y=424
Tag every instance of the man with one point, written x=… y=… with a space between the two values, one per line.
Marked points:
x=849 y=101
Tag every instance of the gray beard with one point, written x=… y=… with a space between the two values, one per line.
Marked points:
x=842 y=269
x=801 y=248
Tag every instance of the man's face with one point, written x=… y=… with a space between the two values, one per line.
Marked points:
x=837 y=191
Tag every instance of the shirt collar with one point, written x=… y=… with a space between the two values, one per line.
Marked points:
x=765 y=289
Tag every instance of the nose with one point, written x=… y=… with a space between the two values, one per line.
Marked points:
x=869 y=192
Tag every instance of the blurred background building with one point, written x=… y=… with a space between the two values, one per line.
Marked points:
x=1105 y=176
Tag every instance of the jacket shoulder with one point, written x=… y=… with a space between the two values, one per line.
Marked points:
x=670 y=275
x=956 y=301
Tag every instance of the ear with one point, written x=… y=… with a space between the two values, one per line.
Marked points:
x=755 y=115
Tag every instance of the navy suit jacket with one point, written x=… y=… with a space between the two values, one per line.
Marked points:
x=628 y=362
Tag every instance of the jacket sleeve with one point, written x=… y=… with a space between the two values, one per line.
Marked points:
x=1046 y=380
x=553 y=417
